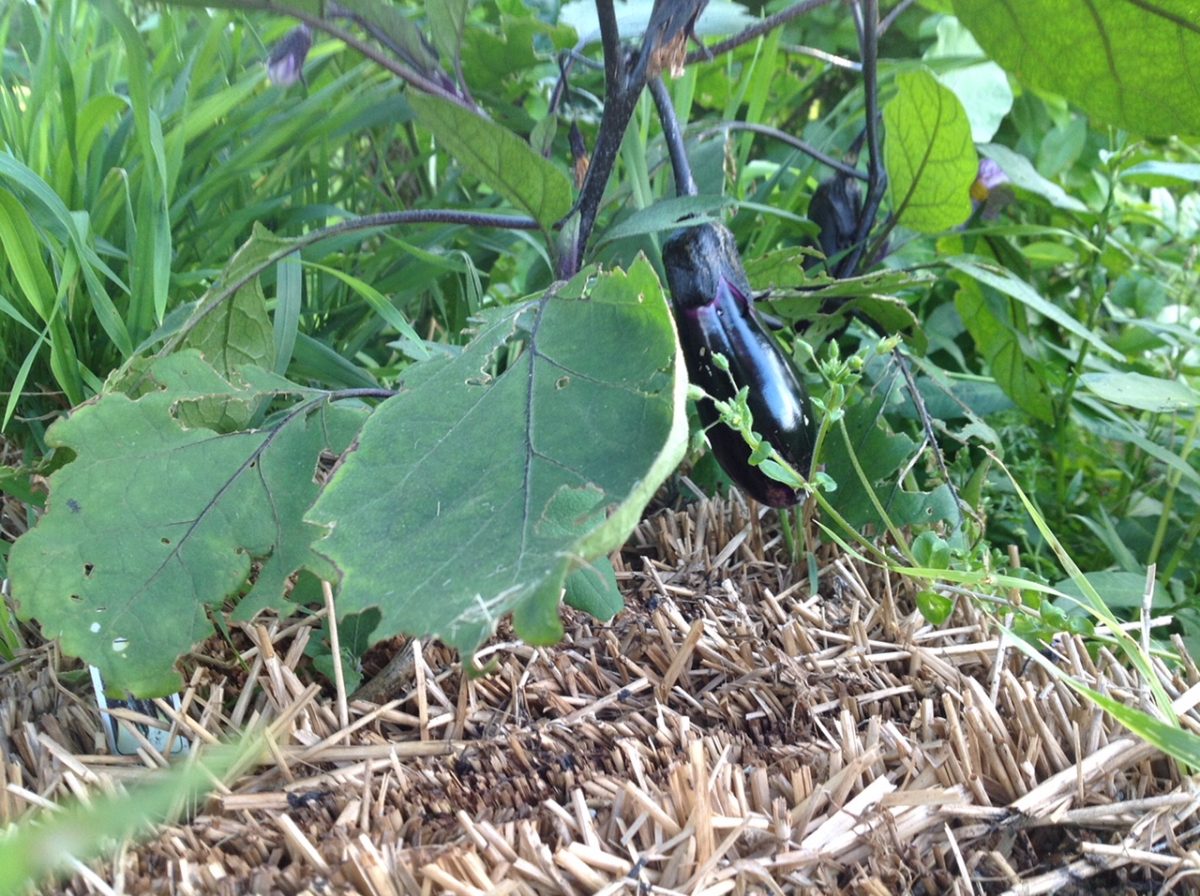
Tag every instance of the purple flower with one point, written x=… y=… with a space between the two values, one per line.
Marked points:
x=990 y=189
x=286 y=65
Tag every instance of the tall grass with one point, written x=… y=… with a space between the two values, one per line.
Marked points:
x=137 y=149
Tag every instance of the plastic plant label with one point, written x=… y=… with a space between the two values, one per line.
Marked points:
x=118 y=732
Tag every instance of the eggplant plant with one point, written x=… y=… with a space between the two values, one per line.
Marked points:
x=577 y=389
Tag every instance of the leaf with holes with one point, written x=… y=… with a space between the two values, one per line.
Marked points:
x=930 y=159
x=153 y=522
x=476 y=491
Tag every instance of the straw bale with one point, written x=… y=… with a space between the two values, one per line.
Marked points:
x=732 y=731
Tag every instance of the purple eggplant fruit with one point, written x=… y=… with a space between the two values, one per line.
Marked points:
x=834 y=208
x=715 y=315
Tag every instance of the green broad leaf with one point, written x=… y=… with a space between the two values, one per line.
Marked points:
x=1146 y=393
x=997 y=334
x=476 y=491
x=593 y=589
x=981 y=85
x=237 y=331
x=880 y=454
x=230 y=325
x=498 y=157
x=1132 y=65
x=1024 y=176
x=153 y=523
x=930 y=159
x=396 y=30
x=667 y=214
x=513 y=46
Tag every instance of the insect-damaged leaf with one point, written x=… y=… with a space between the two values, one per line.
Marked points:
x=474 y=493
x=153 y=522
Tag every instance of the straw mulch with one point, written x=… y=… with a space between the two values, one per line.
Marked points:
x=730 y=732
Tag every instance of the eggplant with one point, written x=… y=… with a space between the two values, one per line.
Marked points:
x=834 y=208
x=715 y=315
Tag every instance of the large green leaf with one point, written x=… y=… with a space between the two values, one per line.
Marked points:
x=997 y=330
x=475 y=491
x=1129 y=64
x=236 y=332
x=930 y=159
x=498 y=157
x=154 y=522
x=447 y=18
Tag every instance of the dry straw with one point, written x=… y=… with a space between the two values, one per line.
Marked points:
x=728 y=733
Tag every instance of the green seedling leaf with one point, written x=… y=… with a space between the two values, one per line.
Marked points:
x=930 y=159
x=354 y=638
x=475 y=491
x=155 y=522
x=1146 y=393
x=1131 y=65
x=498 y=157
x=936 y=608
x=931 y=551
x=593 y=589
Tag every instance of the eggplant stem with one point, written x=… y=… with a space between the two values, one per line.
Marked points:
x=685 y=184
